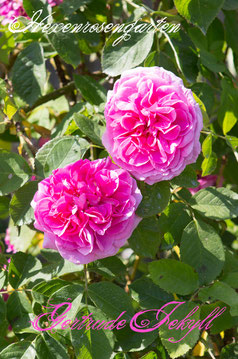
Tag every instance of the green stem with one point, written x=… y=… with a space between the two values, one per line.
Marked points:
x=86 y=283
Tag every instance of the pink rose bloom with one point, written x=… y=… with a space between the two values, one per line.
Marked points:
x=7 y=240
x=10 y=9
x=153 y=124
x=205 y=182
x=87 y=209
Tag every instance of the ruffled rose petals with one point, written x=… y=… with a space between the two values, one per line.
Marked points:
x=87 y=209
x=153 y=124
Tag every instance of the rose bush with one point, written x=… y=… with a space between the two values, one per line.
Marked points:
x=153 y=124
x=87 y=210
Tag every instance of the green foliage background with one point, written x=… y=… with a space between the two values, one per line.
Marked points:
x=54 y=86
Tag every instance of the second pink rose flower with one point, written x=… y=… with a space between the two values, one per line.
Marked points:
x=153 y=124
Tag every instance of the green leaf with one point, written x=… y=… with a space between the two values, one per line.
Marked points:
x=32 y=6
x=90 y=128
x=186 y=53
x=4 y=207
x=221 y=323
x=44 y=290
x=229 y=121
x=155 y=199
x=58 y=153
x=231 y=279
x=70 y=6
x=150 y=355
x=216 y=203
x=118 y=57
x=68 y=118
x=72 y=291
x=177 y=350
x=3 y=90
x=20 y=350
x=207 y=146
x=29 y=73
x=23 y=268
x=174 y=276
x=90 y=89
x=146 y=238
x=111 y=299
x=21 y=240
x=205 y=117
x=110 y=267
x=152 y=297
x=14 y=170
x=229 y=351
x=199 y=12
x=3 y=320
x=20 y=208
x=92 y=344
x=188 y=178
x=212 y=62
x=230 y=5
x=228 y=109
x=67 y=46
x=156 y=58
x=48 y=347
x=205 y=93
x=209 y=164
x=18 y=304
x=201 y=247
x=221 y=291
x=173 y=220
x=231 y=28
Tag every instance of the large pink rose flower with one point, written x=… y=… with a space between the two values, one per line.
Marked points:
x=87 y=209
x=10 y=9
x=153 y=124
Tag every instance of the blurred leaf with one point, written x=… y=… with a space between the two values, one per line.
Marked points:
x=231 y=28
x=4 y=207
x=155 y=199
x=202 y=248
x=23 y=268
x=229 y=351
x=29 y=73
x=211 y=62
x=3 y=89
x=216 y=203
x=174 y=276
x=221 y=291
x=228 y=109
x=14 y=170
x=31 y=6
x=3 y=318
x=146 y=238
x=68 y=118
x=90 y=89
x=58 y=153
x=118 y=57
x=199 y=12
x=20 y=208
x=230 y=5
x=70 y=6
